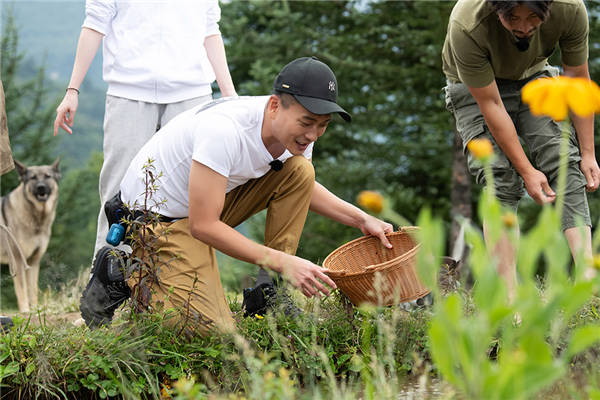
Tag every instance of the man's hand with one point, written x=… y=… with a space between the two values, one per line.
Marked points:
x=306 y=276
x=376 y=227
x=65 y=113
x=538 y=188
x=589 y=167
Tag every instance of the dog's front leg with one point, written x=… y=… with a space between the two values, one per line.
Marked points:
x=18 y=269
x=32 y=274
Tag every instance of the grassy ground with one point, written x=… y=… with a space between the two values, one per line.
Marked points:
x=332 y=351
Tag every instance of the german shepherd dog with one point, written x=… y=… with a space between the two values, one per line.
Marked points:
x=26 y=217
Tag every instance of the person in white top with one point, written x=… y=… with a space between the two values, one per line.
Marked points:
x=221 y=163
x=158 y=60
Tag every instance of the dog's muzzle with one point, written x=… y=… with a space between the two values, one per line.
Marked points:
x=42 y=192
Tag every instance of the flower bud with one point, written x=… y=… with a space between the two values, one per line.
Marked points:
x=371 y=201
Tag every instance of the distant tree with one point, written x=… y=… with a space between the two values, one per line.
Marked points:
x=386 y=56
x=29 y=111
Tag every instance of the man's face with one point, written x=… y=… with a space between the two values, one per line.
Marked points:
x=521 y=21
x=295 y=127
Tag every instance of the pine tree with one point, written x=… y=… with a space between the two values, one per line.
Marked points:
x=29 y=113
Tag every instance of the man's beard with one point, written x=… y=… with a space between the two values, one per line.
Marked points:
x=522 y=43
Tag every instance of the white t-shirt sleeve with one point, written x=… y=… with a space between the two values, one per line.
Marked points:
x=217 y=147
x=99 y=14
x=213 y=16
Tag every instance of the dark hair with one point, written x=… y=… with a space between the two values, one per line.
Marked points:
x=540 y=7
x=286 y=98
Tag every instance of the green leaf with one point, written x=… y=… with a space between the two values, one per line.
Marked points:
x=8 y=370
x=211 y=352
x=576 y=297
x=29 y=368
x=582 y=338
x=174 y=372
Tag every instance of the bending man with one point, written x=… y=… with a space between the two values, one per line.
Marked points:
x=223 y=162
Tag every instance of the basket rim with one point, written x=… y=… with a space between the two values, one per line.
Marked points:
x=374 y=267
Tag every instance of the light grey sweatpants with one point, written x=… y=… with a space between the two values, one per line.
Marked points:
x=128 y=125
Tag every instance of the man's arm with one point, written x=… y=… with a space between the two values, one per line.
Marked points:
x=206 y=201
x=327 y=204
x=215 y=49
x=585 y=135
x=89 y=41
x=504 y=132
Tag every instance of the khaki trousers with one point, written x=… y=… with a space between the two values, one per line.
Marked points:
x=189 y=281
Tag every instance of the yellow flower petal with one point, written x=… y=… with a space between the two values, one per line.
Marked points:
x=554 y=97
x=555 y=105
x=480 y=148
x=583 y=97
x=596 y=262
x=510 y=220
x=371 y=201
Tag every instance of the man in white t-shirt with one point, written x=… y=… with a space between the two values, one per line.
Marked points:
x=221 y=163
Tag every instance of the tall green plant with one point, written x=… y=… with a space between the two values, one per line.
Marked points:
x=532 y=335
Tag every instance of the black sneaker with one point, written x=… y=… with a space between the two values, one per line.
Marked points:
x=265 y=297
x=107 y=288
x=418 y=304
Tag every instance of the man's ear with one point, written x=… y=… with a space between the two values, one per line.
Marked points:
x=273 y=105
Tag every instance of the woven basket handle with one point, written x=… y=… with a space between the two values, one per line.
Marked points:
x=334 y=274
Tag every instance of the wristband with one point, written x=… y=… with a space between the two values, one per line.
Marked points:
x=72 y=88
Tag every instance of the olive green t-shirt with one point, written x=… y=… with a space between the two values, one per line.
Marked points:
x=478 y=48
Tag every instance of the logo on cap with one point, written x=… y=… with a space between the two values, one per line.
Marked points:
x=332 y=86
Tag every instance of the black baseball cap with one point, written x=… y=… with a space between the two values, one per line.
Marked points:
x=313 y=85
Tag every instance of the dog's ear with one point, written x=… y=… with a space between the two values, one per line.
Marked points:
x=21 y=169
x=56 y=169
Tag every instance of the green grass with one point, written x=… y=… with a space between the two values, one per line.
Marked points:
x=330 y=346
x=332 y=351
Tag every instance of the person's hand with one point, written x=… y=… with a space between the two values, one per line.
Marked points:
x=538 y=188
x=589 y=167
x=65 y=113
x=306 y=276
x=376 y=227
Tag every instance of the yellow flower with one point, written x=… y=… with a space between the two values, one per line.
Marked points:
x=164 y=393
x=259 y=316
x=269 y=375
x=596 y=261
x=371 y=201
x=284 y=373
x=509 y=219
x=480 y=148
x=554 y=97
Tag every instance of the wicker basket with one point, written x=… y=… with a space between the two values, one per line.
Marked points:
x=354 y=268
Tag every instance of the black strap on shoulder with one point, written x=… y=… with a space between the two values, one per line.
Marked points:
x=3 y=206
